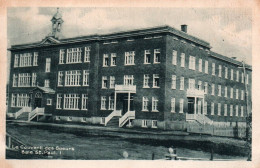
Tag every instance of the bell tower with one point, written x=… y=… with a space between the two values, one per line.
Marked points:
x=56 y=25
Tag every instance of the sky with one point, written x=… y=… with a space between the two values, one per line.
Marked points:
x=228 y=30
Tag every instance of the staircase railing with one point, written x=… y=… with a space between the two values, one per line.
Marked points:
x=201 y=118
x=128 y=115
x=111 y=115
x=21 y=111
x=35 y=112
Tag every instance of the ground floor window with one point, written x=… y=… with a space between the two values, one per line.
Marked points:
x=154 y=123
x=84 y=103
x=71 y=101
x=144 y=123
x=58 y=104
x=20 y=100
x=145 y=103
x=173 y=105
x=155 y=104
x=181 y=105
x=111 y=103
x=103 y=102
x=49 y=101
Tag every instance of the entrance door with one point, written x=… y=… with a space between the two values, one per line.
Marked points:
x=190 y=105
x=37 y=102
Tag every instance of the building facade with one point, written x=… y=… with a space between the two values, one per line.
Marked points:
x=157 y=77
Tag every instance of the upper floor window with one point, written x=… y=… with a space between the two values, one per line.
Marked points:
x=145 y=104
x=247 y=78
x=72 y=78
x=242 y=77
x=182 y=60
x=231 y=74
x=219 y=109
x=15 y=80
x=146 y=81
x=236 y=93
x=192 y=63
x=199 y=85
x=237 y=76
x=71 y=101
x=84 y=102
x=62 y=55
x=48 y=65
x=173 y=105
x=205 y=109
x=219 y=71
x=242 y=111
x=85 y=78
x=87 y=54
x=225 y=91
x=46 y=83
x=242 y=95
x=206 y=67
x=181 y=105
x=35 y=59
x=173 y=81
x=34 y=77
x=200 y=65
x=104 y=82
x=60 y=78
x=147 y=57
x=74 y=55
x=231 y=93
x=112 y=81
x=130 y=58
x=226 y=72
x=225 y=109
x=174 y=57
x=231 y=110
x=154 y=104
x=103 y=102
x=191 y=84
x=219 y=90
x=16 y=60
x=25 y=60
x=113 y=59
x=213 y=89
x=128 y=80
x=156 y=81
x=212 y=108
x=157 y=56
x=206 y=87
x=182 y=83
x=236 y=110
x=24 y=80
x=213 y=69
x=105 y=60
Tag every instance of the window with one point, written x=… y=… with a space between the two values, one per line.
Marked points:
x=157 y=55
x=144 y=123
x=48 y=65
x=72 y=78
x=13 y=100
x=154 y=104
x=15 y=80
x=25 y=60
x=112 y=81
x=16 y=60
x=226 y=72
x=130 y=58
x=205 y=109
x=46 y=83
x=60 y=78
x=85 y=78
x=74 y=55
x=173 y=105
x=104 y=82
x=200 y=65
x=231 y=93
x=103 y=102
x=219 y=90
x=236 y=93
x=49 y=101
x=174 y=57
x=212 y=108
x=242 y=111
x=225 y=91
x=24 y=80
x=128 y=80
x=219 y=109
x=147 y=57
x=219 y=71
x=200 y=85
x=242 y=95
x=87 y=54
x=71 y=101
x=182 y=60
x=182 y=83
x=23 y=100
x=225 y=110
x=84 y=102
x=156 y=81
x=206 y=67
x=213 y=69
x=62 y=55
x=181 y=105
x=35 y=59
x=192 y=63
x=146 y=81
x=111 y=103
x=237 y=76
x=145 y=104
x=154 y=123
x=192 y=84
x=242 y=77
x=231 y=110
x=247 y=78
x=236 y=110
x=173 y=81
x=206 y=87
x=199 y=107
x=59 y=98
x=105 y=60
x=113 y=59
x=34 y=76
x=231 y=74
x=213 y=89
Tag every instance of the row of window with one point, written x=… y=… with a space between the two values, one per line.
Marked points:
x=145 y=123
x=72 y=101
x=74 y=55
x=24 y=80
x=73 y=78
x=20 y=100
x=192 y=66
x=25 y=60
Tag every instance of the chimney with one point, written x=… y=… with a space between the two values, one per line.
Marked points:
x=184 y=28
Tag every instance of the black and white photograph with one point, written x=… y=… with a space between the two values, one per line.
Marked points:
x=129 y=83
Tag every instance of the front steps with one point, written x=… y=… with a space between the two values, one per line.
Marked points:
x=23 y=116
x=114 y=122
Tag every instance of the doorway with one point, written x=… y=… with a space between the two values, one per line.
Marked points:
x=37 y=102
x=191 y=105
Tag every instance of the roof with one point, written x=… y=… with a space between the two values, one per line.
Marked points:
x=45 y=89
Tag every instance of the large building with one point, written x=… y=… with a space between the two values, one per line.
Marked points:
x=157 y=77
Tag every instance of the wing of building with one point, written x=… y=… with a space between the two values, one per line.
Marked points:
x=157 y=77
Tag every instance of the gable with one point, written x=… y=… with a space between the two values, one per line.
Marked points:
x=50 y=40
